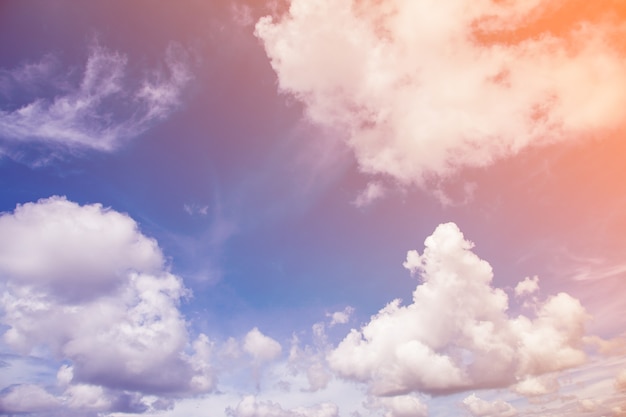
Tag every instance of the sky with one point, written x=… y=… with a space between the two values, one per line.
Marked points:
x=313 y=208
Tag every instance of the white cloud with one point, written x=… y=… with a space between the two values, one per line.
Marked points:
x=340 y=317
x=417 y=92
x=261 y=347
x=27 y=399
x=84 y=284
x=73 y=252
x=402 y=406
x=532 y=386
x=311 y=359
x=371 y=193
x=481 y=408
x=588 y=405
x=101 y=112
x=474 y=345
x=86 y=397
x=527 y=286
x=251 y=407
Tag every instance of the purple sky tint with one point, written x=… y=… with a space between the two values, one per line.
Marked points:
x=308 y=208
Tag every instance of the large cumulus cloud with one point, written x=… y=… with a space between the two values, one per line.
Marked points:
x=82 y=284
x=427 y=87
x=457 y=334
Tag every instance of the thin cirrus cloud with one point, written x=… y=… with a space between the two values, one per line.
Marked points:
x=99 y=112
x=427 y=88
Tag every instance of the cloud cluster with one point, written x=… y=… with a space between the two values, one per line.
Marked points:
x=27 y=399
x=98 y=113
x=82 y=284
x=426 y=87
x=481 y=408
x=457 y=333
x=251 y=407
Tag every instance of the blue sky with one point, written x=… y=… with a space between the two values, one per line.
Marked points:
x=212 y=208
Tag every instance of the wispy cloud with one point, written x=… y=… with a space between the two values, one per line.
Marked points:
x=100 y=112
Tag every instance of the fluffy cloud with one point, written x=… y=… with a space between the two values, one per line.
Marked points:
x=261 y=347
x=536 y=386
x=456 y=334
x=527 y=286
x=340 y=317
x=27 y=399
x=425 y=87
x=83 y=284
x=99 y=113
x=310 y=359
x=251 y=407
x=481 y=408
x=403 y=406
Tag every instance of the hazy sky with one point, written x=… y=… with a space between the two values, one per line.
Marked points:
x=313 y=208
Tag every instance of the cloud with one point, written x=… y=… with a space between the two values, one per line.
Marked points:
x=261 y=347
x=101 y=112
x=196 y=209
x=426 y=88
x=27 y=399
x=527 y=286
x=82 y=284
x=474 y=344
x=371 y=193
x=310 y=359
x=481 y=408
x=402 y=406
x=251 y=407
x=532 y=386
x=587 y=405
x=340 y=317
x=620 y=381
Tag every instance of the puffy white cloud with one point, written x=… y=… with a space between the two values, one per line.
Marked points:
x=261 y=347
x=27 y=399
x=481 y=408
x=532 y=386
x=527 y=286
x=456 y=334
x=402 y=406
x=74 y=253
x=99 y=113
x=340 y=317
x=426 y=87
x=86 y=397
x=84 y=284
x=251 y=407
